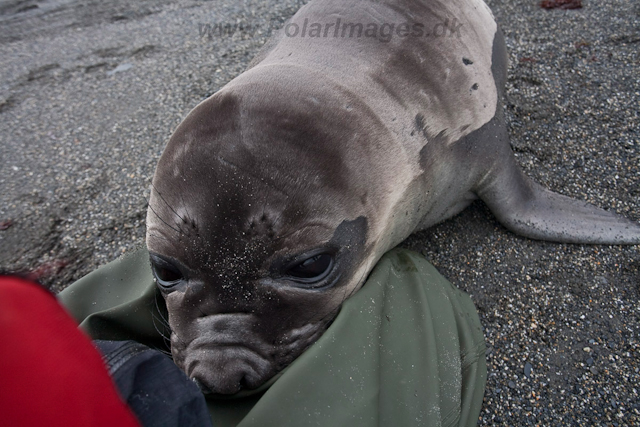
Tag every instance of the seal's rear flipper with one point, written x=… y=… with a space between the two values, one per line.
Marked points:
x=528 y=209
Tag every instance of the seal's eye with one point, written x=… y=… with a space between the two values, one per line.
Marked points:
x=165 y=272
x=312 y=269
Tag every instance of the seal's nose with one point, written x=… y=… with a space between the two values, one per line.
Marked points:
x=242 y=384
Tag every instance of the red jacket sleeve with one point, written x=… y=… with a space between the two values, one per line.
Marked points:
x=50 y=372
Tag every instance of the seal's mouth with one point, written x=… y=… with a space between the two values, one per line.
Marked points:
x=225 y=354
x=225 y=369
x=232 y=382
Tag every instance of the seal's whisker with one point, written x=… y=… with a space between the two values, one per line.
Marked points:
x=202 y=313
x=177 y=230
x=161 y=331
x=159 y=236
x=190 y=219
x=264 y=204
x=188 y=215
x=167 y=203
x=149 y=207
x=280 y=214
x=159 y=317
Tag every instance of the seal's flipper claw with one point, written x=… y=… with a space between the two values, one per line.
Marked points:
x=528 y=209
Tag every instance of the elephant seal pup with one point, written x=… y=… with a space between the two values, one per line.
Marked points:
x=276 y=196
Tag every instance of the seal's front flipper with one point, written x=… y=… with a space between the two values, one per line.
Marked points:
x=528 y=209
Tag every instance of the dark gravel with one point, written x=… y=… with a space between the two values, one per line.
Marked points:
x=90 y=92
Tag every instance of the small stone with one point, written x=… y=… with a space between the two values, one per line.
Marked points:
x=512 y=384
x=527 y=369
x=120 y=68
x=590 y=361
x=587 y=349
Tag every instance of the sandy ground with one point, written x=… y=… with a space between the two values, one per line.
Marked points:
x=90 y=92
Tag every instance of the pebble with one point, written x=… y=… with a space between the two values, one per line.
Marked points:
x=120 y=68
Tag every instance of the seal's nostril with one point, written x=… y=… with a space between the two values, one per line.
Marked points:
x=203 y=388
x=243 y=383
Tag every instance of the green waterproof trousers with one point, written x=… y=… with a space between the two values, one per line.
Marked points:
x=406 y=350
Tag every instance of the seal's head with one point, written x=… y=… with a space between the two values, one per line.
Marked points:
x=258 y=228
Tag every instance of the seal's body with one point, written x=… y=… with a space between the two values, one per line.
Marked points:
x=358 y=124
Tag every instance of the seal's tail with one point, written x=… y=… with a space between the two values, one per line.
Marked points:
x=528 y=209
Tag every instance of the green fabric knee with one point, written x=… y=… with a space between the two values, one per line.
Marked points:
x=407 y=349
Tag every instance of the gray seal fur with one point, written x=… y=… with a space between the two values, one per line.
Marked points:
x=324 y=154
